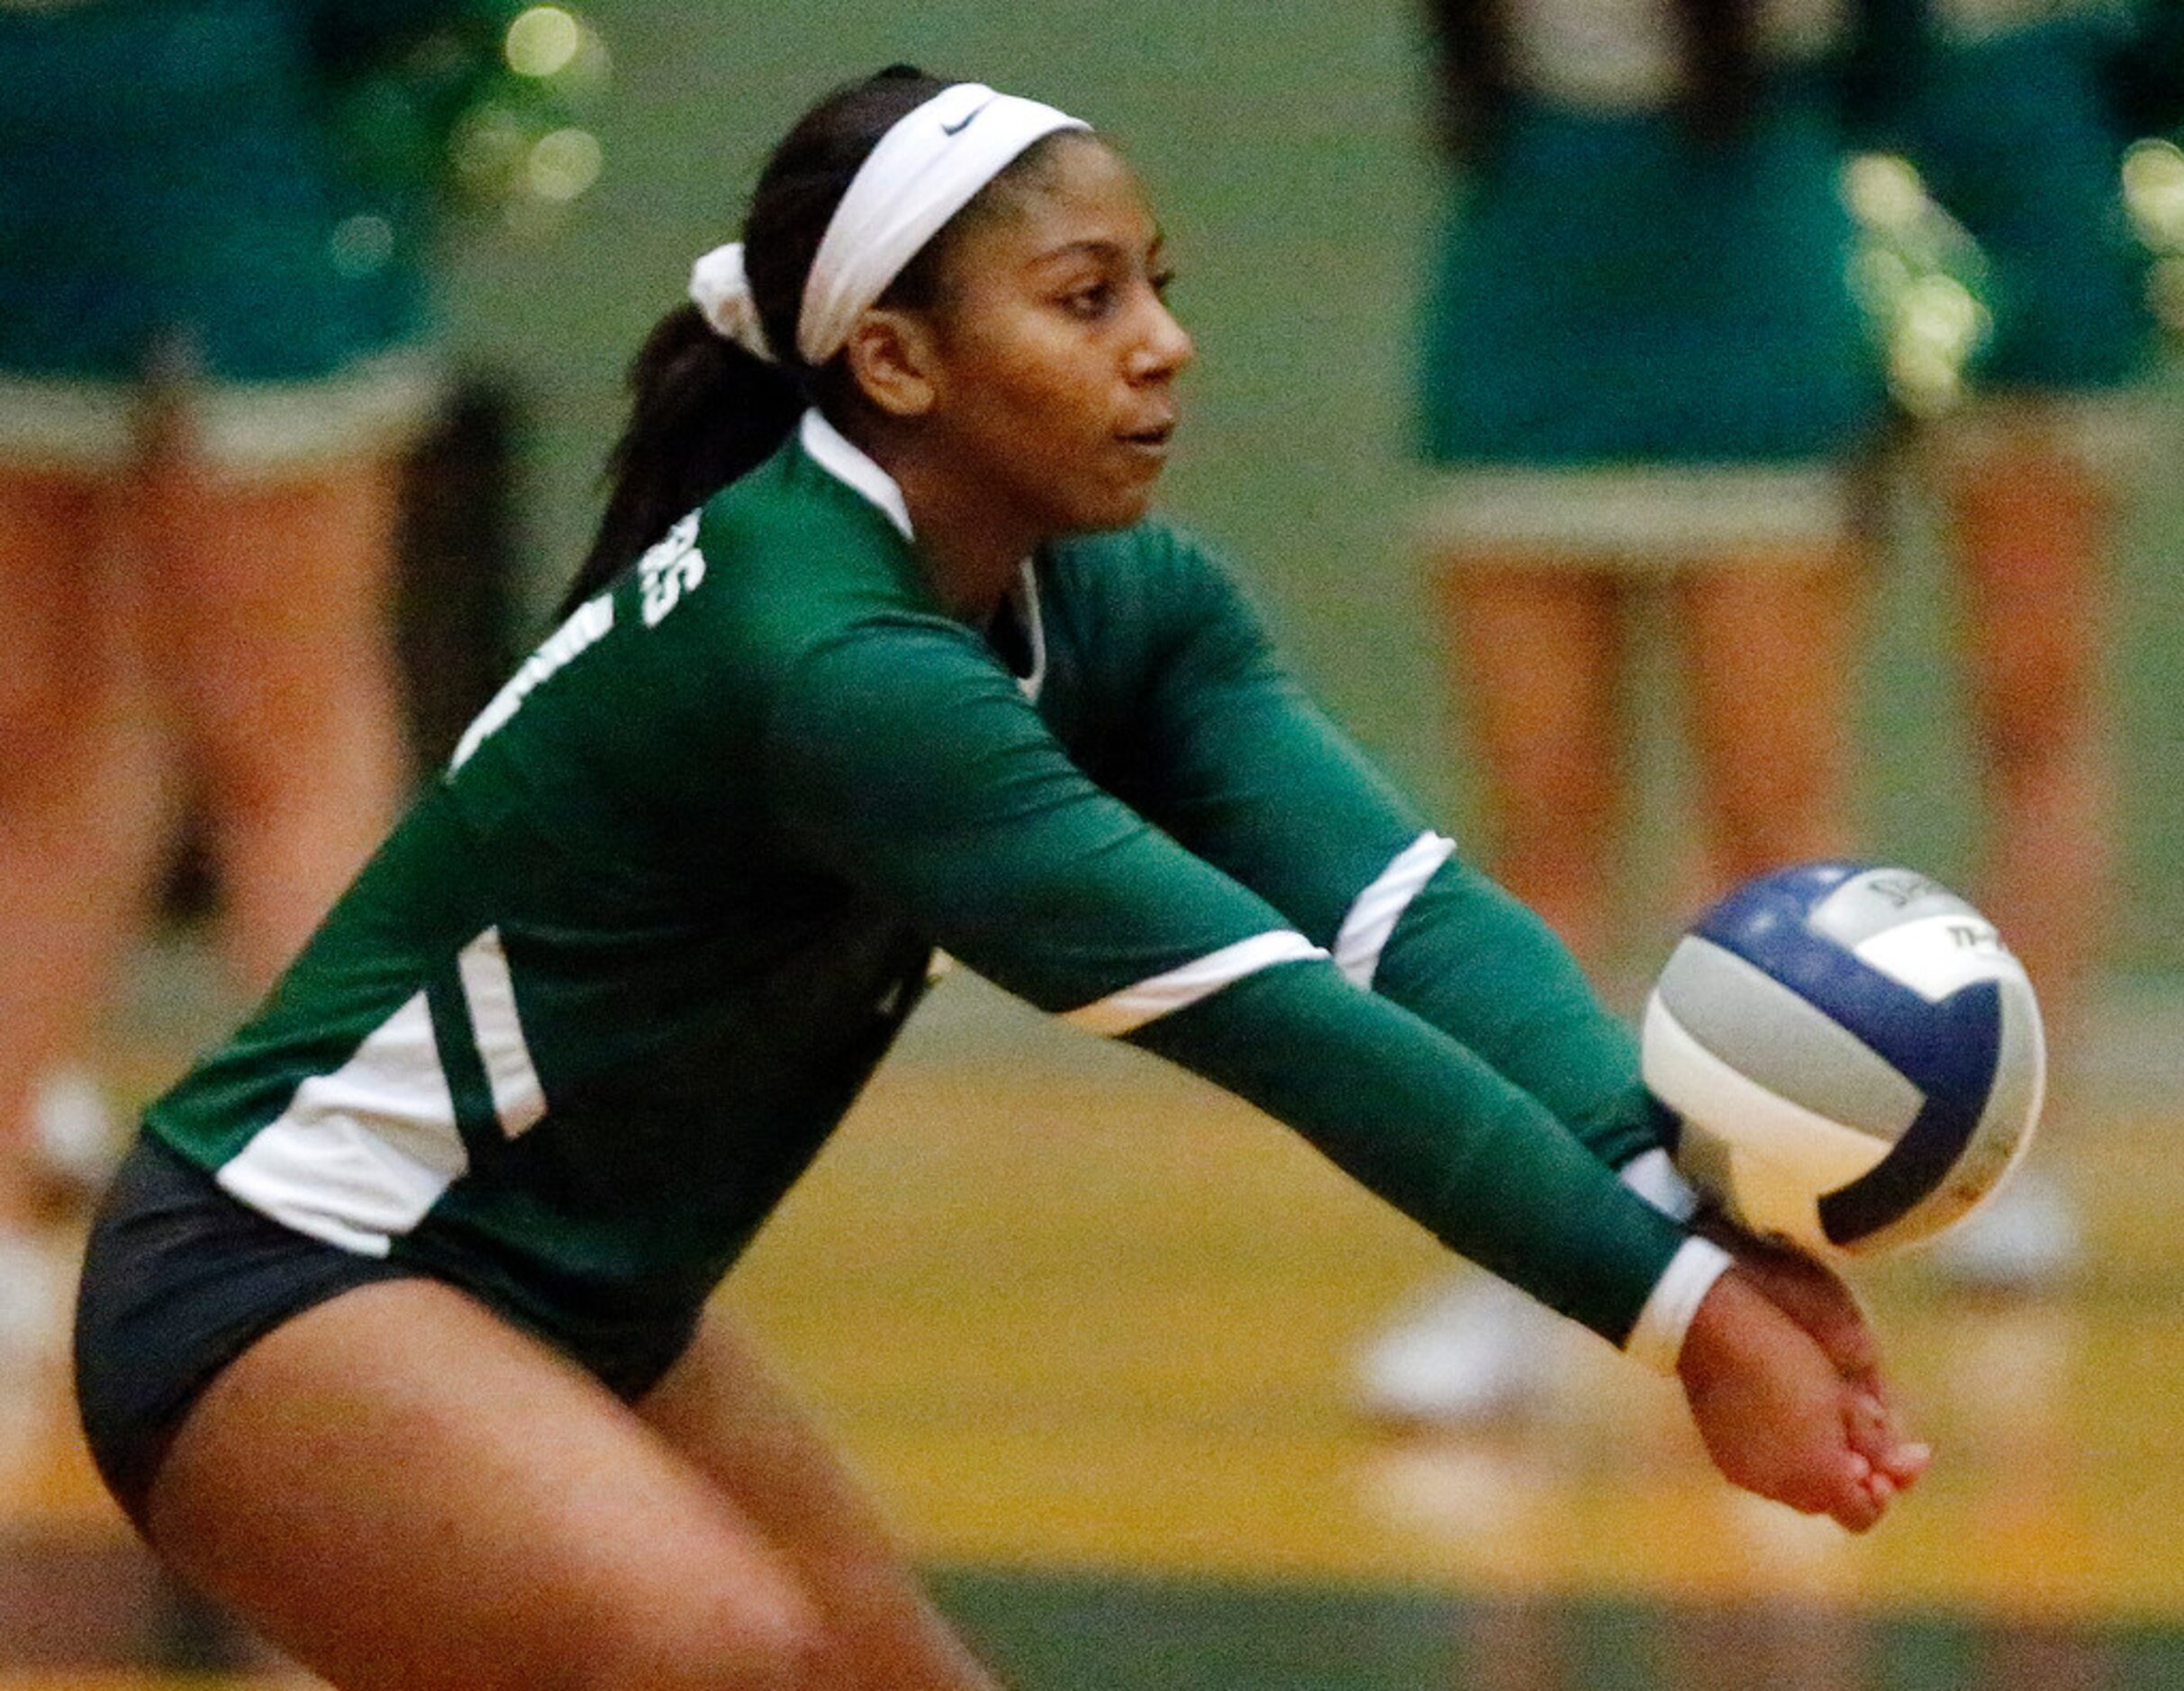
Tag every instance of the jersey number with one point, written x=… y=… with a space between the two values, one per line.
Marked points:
x=670 y=569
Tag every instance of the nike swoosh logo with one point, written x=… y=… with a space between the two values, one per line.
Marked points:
x=964 y=122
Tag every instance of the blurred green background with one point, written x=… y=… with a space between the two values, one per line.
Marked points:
x=1286 y=152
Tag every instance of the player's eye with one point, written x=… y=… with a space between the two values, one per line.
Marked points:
x=1091 y=299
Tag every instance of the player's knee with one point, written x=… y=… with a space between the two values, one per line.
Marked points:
x=746 y=1635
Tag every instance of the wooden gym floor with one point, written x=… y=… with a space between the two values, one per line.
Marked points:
x=1088 y=1326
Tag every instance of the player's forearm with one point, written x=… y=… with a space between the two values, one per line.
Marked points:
x=1437 y=1131
x=1321 y=836
x=1477 y=965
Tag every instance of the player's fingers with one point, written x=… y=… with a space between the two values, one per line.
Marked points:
x=1906 y=1462
x=1872 y=1433
x=1865 y=1477
x=1872 y=1428
x=1841 y=1486
x=1860 y=1503
x=1865 y=1427
x=1856 y=1509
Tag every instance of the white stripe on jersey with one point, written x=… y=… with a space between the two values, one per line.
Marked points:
x=518 y=1098
x=360 y=1154
x=1165 y=994
x=1380 y=905
x=584 y=627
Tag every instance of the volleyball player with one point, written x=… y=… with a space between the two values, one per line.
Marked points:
x=394 y=1333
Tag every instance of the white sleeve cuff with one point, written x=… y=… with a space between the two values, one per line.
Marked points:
x=1657 y=1340
x=1653 y=1176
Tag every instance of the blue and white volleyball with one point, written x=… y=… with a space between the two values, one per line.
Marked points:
x=1855 y=1056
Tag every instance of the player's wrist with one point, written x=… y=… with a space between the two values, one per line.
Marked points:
x=1659 y=1337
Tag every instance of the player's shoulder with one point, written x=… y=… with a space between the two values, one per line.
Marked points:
x=1154 y=563
x=788 y=527
x=778 y=562
x=1155 y=539
x=1155 y=576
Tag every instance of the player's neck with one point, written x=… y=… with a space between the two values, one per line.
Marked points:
x=973 y=550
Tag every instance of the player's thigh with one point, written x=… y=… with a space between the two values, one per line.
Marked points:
x=270 y=599
x=1538 y=651
x=1769 y=651
x=2032 y=523
x=724 y=1410
x=403 y=1491
x=246 y=538
x=55 y=597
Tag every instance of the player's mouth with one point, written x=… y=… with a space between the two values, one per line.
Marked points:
x=1153 y=439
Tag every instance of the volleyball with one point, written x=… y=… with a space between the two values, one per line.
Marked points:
x=1857 y=1057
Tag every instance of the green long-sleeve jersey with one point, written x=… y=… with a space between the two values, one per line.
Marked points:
x=603 y=993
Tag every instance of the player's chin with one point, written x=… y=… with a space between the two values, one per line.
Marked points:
x=1115 y=505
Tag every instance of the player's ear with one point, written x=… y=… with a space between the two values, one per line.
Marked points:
x=893 y=357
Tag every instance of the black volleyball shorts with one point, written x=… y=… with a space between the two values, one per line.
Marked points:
x=179 y=1280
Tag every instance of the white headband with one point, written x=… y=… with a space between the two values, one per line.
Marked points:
x=925 y=169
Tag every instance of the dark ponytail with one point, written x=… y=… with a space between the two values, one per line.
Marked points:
x=704 y=412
